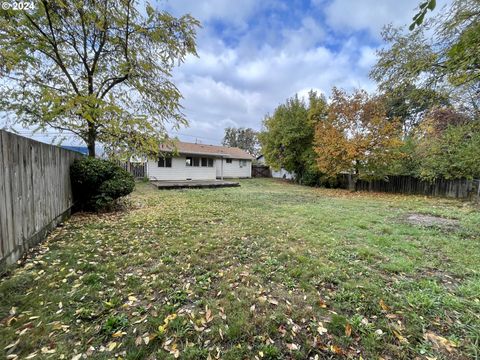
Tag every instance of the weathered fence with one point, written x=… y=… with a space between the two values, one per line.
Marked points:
x=35 y=192
x=261 y=171
x=138 y=170
x=457 y=188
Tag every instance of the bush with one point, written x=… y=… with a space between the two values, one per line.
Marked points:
x=96 y=183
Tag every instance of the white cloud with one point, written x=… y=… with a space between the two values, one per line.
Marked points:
x=228 y=11
x=370 y=15
x=368 y=57
x=255 y=54
x=236 y=90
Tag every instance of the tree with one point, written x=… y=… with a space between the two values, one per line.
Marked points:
x=98 y=69
x=447 y=61
x=243 y=138
x=420 y=15
x=448 y=147
x=409 y=104
x=356 y=138
x=287 y=139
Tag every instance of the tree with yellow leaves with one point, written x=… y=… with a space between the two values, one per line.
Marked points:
x=357 y=137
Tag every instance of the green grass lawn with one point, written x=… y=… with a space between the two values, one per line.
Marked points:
x=268 y=270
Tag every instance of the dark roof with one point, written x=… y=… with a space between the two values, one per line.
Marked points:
x=81 y=149
x=204 y=149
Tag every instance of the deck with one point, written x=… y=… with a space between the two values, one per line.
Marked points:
x=192 y=184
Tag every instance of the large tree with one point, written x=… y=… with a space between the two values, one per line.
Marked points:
x=100 y=69
x=357 y=137
x=243 y=138
x=409 y=104
x=442 y=54
x=287 y=139
x=448 y=144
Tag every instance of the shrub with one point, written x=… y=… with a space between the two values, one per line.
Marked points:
x=310 y=178
x=97 y=183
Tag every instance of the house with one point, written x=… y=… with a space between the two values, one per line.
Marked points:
x=277 y=174
x=189 y=161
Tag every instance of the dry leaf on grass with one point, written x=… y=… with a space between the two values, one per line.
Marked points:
x=439 y=341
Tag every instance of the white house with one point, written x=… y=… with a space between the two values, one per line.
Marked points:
x=188 y=161
x=278 y=174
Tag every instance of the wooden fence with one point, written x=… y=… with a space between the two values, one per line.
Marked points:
x=458 y=188
x=138 y=170
x=35 y=193
x=261 y=171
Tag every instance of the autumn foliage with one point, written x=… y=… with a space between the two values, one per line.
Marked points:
x=356 y=137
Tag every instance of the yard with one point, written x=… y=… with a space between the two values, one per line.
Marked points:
x=269 y=270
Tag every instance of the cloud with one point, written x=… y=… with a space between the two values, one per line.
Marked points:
x=253 y=55
x=370 y=15
x=233 y=12
x=264 y=52
x=228 y=89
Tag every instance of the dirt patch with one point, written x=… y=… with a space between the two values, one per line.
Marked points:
x=432 y=221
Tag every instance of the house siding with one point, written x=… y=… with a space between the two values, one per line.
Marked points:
x=234 y=170
x=179 y=171
x=282 y=174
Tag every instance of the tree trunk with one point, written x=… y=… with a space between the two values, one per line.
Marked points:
x=92 y=135
x=352 y=182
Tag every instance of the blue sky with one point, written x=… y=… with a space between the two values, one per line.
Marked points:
x=254 y=54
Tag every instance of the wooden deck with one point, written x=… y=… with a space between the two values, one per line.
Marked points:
x=192 y=184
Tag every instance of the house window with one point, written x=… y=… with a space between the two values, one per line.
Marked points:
x=196 y=161
x=204 y=162
x=188 y=161
x=164 y=161
x=229 y=161
x=242 y=163
x=210 y=162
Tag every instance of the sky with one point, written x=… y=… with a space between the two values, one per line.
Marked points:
x=254 y=54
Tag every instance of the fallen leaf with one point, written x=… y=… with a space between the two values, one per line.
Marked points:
x=439 y=341
x=336 y=349
x=273 y=301
x=208 y=315
x=383 y=305
x=12 y=345
x=348 y=330
x=321 y=329
x=400 y=337
x=46 y=350
x=293 y=347
x=112 y=345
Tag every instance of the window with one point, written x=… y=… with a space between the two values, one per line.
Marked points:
x=210 y=162
x=242 y=163
x=164 y=161
x=196 y=161
x=204 y=162
x=188 y=161
x=229 y=161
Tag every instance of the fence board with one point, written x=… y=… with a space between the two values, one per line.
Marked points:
x=35 y=192
x=261 y=171
x=457 y=188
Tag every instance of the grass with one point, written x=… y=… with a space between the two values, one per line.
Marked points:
x=268 y=270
